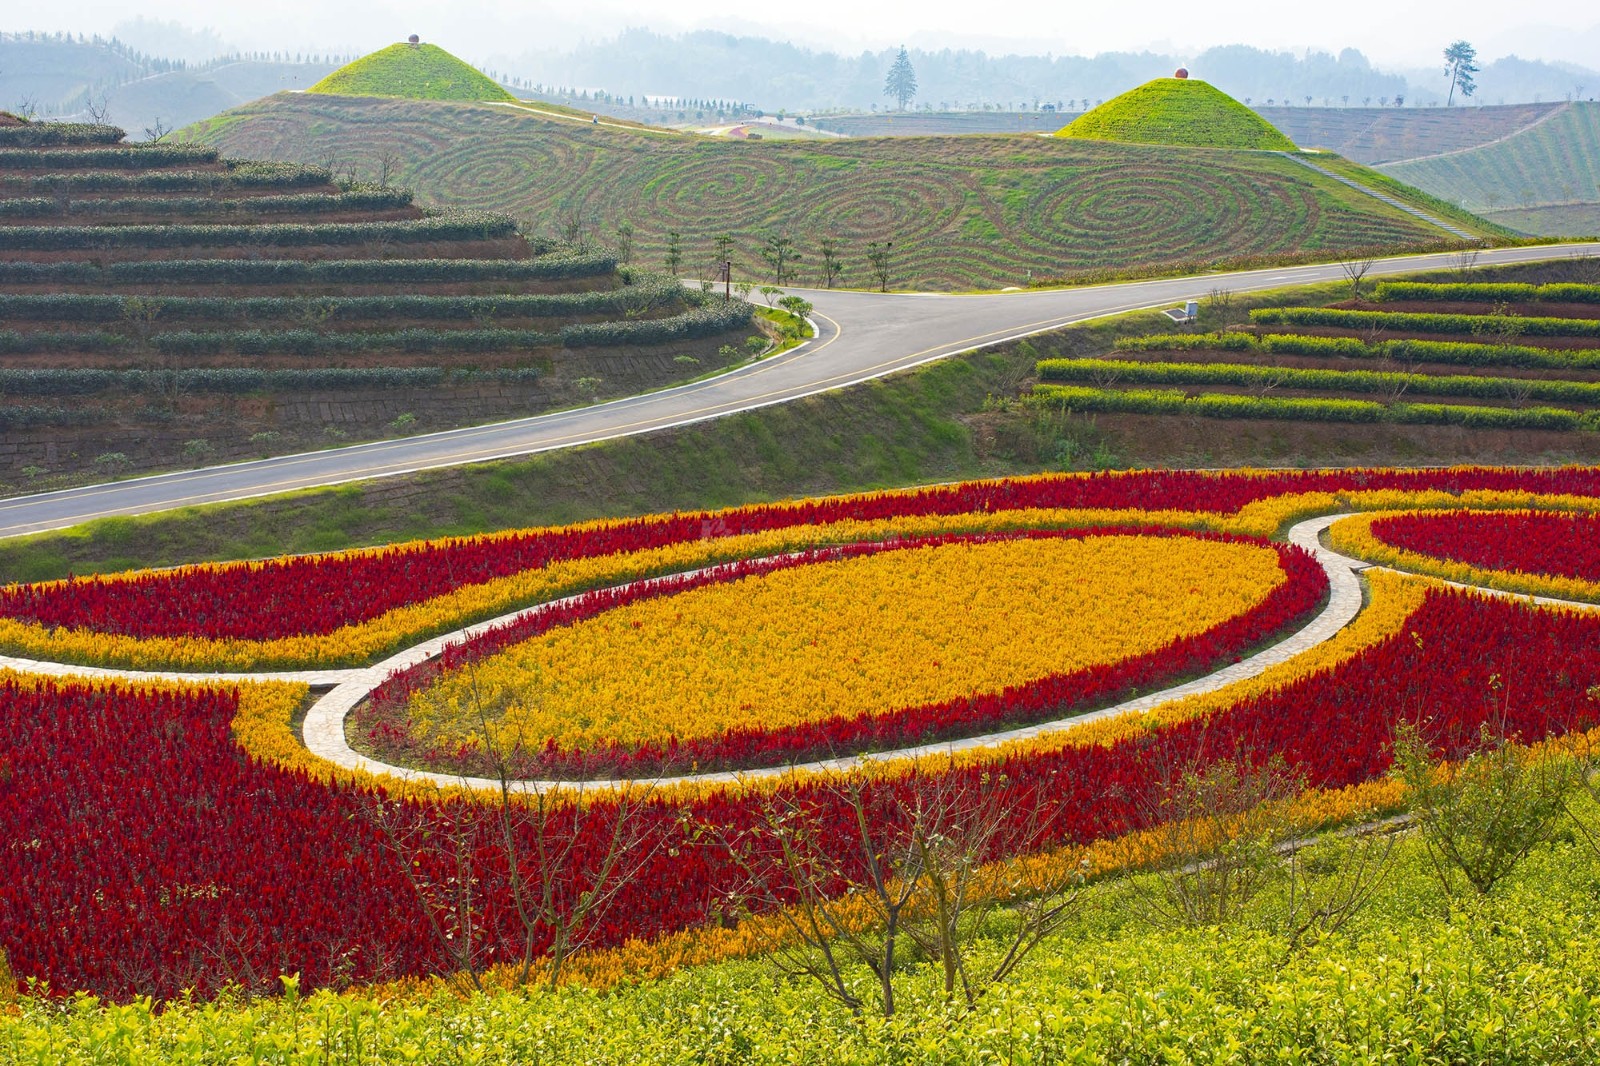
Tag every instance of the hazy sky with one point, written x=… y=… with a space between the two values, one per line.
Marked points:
x=1394 y=34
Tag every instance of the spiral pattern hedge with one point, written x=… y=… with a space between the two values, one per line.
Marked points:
x=961 y=212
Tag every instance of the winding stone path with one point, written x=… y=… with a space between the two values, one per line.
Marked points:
x=324 y=728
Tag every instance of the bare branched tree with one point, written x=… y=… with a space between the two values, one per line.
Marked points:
x=912 y=869
x=565 y=854
x=388 y=163
x=157 y=132
x=97 y=109
x=1219 y=826
x=1329 y=882
x=1481 y=817
x=1356 y=271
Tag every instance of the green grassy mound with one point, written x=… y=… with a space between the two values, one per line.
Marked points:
x=1177 y=111
x=413 y=72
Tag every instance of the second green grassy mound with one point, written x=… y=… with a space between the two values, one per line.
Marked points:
x=1178 y=111
x=412 y=72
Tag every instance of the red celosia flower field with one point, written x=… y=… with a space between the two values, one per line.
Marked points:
x=146 y=853
x=270 y=600
x=149 y=848
x=1566 y=545
x=1050 y=697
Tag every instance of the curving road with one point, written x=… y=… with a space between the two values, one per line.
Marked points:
x=861 y=336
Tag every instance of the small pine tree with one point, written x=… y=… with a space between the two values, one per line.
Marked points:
x=1461 y=63
x=901 y=84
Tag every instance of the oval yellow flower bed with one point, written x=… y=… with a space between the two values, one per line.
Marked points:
x=898 y=645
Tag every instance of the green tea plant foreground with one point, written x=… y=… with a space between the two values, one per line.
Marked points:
x=173 y=836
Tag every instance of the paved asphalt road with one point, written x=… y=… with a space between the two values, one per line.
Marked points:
x=862 y=336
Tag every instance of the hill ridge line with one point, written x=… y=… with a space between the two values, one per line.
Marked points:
x=1384 y=197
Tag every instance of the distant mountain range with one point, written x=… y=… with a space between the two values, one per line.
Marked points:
x=772 y=74
x=166 y=76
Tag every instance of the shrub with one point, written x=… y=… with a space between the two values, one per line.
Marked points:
x=1183 y=342
x=8 y=984
x=247 y=174
x=1488 y=292
x=129 y=157
x=59 y=134
x=94 y=307
x=302 y=271
x=1482 y=817
x=203 y=206
x=1367 y=381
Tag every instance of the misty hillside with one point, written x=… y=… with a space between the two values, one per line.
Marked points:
x=775 y=74
x=59 y=76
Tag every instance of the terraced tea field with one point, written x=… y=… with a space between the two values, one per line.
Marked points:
x=1477 y=355
x=164 y=306
x=1374 y=135
x=1552 y=162
x=960 y=212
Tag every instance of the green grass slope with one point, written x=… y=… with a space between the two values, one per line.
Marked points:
x=1551 y=163
x=412 y=72
x=1177 y=111
x=962 y=212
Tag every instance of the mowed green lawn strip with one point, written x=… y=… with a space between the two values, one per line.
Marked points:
x=976 y=212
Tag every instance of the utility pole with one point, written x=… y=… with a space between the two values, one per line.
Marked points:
x=727 y=281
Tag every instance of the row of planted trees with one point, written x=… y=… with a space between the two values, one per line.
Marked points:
x=778 y=256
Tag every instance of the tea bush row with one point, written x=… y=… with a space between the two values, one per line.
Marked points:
x=303 y=271
x=1215 y=405
x=699 y=322
x=1365 y=381
x=53 y=134
x=445 y=226
x=1422 y=322
x=82 y=381
x=192 y=206
x=1454 y=353
x=130 y=157
x=95 y=307
x=239 y=174
x=1497 y=292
